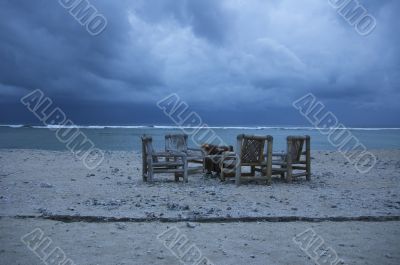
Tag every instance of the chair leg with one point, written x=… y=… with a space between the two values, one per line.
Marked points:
x=289 y=173
x=222 y=173
x=144 y=167
x=185 y=170
x=204 y=165
x=237 y=175
x=269 y=161
x=289 y=161
x=238 y=172
x=144 y=172
x=268 y=174
x=144 y=162
x=282 y=173
x=308 y=158
x=176 y=174
x=308 y=170
x=150 y=173
x=253 y=171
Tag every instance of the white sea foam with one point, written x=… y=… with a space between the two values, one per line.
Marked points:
x=178 y=127
x=12 y=125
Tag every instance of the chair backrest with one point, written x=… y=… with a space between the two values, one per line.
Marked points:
x=251 y=148
x=296 y=146
x=147 y=145
x=176 y=142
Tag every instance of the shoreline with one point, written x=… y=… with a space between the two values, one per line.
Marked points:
x=255 y=127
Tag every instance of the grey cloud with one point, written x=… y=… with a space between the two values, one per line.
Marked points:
x=208 y=19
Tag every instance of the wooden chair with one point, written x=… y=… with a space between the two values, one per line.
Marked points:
x=249 y=153
x=297 y=158
x=162 y=162
x=179 y=143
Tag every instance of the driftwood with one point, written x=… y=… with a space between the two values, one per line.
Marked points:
x=212 y=160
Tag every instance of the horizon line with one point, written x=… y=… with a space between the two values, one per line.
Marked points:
x=254 y=127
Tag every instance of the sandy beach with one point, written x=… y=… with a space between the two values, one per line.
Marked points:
x=110 y=210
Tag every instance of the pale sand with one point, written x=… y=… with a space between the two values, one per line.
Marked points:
x=236 y=243
x=35 y=183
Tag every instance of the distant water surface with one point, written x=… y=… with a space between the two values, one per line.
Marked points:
x=128 y=137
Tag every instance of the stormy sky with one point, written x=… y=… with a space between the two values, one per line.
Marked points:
x=235 y=62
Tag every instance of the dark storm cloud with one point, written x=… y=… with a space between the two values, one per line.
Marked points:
x=44 y=47
x=237 y=52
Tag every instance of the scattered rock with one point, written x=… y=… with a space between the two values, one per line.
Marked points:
x=211 y=211
x=120 y=226
x=175 y=206
x=46 y=185
x=44 y=211
x=190 y=225
x=150 y=215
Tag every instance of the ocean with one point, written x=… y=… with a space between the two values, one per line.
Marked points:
x=128 y=137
